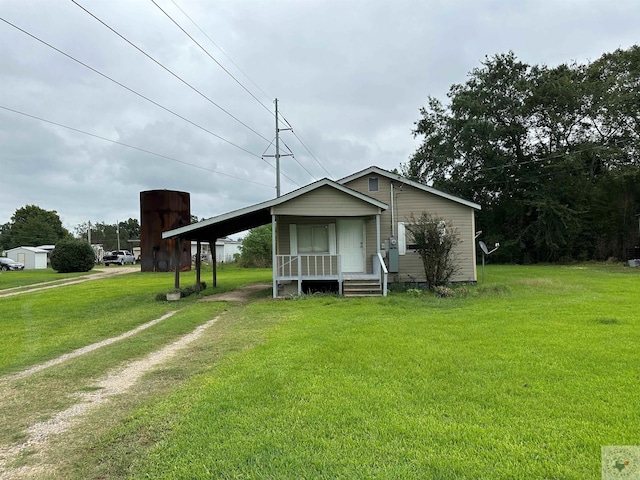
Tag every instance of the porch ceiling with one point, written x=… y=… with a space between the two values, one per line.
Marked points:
x=223 y=226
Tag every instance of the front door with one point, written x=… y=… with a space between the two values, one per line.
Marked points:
x=351 y=244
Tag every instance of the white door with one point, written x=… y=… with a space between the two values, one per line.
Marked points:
x=351 y=244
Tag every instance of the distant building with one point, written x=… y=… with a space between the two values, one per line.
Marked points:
x=32 y=257
x=226 y=250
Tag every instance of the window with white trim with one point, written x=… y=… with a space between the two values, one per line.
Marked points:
x=373 y=184
x=312 y=239
x=406 y=241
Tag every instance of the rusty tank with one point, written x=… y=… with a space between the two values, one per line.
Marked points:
x=162 y=210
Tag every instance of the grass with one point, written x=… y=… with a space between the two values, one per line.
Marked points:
x=15 y=279
x=527 y=376
x=42 y=325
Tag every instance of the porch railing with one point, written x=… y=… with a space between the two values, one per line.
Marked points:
x=322 y=266
x=380 y=269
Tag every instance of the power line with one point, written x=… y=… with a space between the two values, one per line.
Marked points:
x=210 y=56
x=549 y=157
x=133 y=91
x=186 y=83
x=247 y=76
x=555 y=166
x=131 y=146
x=310 y=153
x=294 y=157
x=170 y=71
x=145 y=98
x=221 y=50
x=290 y=127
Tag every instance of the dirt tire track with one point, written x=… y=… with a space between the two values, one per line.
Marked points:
x=10 y=292
x=115 y=383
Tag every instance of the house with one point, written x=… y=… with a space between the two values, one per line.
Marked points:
x=226 y=250
x=347 y=235
x=32 y=257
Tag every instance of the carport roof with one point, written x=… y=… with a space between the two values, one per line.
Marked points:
x=254 y=215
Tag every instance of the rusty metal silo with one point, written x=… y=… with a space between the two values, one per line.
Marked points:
x=162 y=210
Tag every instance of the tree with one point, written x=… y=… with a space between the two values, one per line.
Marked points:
x=537 y=146
x=107 y=235
x=33 y=226
x=255 y=251
x=130 y=229
x=72 y=256
x=435 y=243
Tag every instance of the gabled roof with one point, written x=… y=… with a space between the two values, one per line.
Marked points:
x=256 y=215
x=399 y=178
x=30 y=249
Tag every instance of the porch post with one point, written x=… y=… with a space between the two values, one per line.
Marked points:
x=198 y=264
x=212 y=246
x=178 y=255
x=274 y=258
x=378 y=232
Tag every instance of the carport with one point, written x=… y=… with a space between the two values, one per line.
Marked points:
x=219 y=227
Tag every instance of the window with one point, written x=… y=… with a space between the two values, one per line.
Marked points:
x=406 y=241
x=312 y=239
x=373 y=184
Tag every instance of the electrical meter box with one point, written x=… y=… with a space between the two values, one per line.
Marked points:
x=394 y=257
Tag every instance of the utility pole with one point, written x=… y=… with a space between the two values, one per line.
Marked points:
x=278 y=155
x=89 y=233
x=118 y=232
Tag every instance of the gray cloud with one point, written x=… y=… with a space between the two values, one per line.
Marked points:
x=350 y=75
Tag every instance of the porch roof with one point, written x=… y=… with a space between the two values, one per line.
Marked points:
x=255 y=215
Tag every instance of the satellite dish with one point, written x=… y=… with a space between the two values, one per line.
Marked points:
x=486 y=251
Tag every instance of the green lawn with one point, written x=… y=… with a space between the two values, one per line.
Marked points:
x=38 y=326
x=524 y=377
x=13 y=279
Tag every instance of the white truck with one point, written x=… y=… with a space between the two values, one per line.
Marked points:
x=118 y=257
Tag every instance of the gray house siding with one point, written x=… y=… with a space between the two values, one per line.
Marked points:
x=283 y=237
x=325 y=201
x=408 y=199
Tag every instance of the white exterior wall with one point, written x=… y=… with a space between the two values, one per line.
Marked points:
x=32 y=258
x=226 y=251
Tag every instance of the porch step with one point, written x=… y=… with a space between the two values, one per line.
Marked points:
x=361 y=288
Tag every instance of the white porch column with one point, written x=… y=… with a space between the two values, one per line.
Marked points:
x=274 y=259
x=378 y=233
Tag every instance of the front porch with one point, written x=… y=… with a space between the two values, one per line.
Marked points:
x=291 y=272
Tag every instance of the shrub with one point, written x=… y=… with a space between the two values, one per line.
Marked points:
x=444 y=292
x=72 y=256
x=435 y=243
x=184 y=292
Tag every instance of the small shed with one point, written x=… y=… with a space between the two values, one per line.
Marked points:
x=32 y=257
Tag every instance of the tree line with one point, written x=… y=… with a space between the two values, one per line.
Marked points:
x=550 y=153
x=33 y=226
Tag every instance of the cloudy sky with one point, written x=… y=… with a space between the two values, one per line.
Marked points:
x=350 y=77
